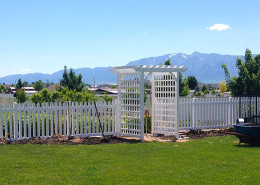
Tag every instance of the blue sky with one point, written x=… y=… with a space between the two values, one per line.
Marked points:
x=44 y=35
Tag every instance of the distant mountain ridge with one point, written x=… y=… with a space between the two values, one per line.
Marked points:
x=205 y=67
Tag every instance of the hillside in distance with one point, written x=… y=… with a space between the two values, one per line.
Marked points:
x=205 y=67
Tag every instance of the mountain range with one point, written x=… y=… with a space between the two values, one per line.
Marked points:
x=205 y=67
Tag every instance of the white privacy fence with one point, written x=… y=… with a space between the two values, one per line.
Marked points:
x=209 y=113
x=24 y=121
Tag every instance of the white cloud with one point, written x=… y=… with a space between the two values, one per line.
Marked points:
x=219 y=27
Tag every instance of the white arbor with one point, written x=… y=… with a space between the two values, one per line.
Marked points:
x=165 y=99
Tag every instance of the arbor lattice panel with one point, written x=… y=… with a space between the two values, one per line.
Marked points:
x=130 y=104
x=164 y=104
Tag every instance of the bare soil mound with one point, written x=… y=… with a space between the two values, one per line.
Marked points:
x=65 y=140
x=200 y=134
x=58 y=139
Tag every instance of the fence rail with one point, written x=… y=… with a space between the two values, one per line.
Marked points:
x=209 y=113
x=24 y=121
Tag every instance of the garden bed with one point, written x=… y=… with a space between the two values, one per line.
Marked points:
x=200 y=134
x=58 y=139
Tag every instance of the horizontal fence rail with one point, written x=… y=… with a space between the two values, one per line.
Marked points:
x=210 y=113
x=24 y=121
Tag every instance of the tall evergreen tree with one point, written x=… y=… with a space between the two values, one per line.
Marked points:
x=19 y=84
x=192 y=82
x=71 y=80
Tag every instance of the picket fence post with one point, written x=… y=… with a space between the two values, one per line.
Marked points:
x=1 y=122
x=229 y=111
x=194 y=122
x=68 y=118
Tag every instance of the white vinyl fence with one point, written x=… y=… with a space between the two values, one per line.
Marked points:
x=210 y=113
x=24 y=121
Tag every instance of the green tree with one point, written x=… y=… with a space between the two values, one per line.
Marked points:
x=25 y=84
x=168 y=62
x=71 y=80
x=197 y=89
x=222 y=87
x=204 y=88
x=206 y=91
x=248 y=80
x=54 y=96
x=19 y=84
x=213 y=92
x=2 y=88
x=20 y=96
x=107 y=98
x=192 y=82
x=45 y=95
x=47 y=83
x=185 y=91
x=198 y=94
x=38 y=85
x=36 y=98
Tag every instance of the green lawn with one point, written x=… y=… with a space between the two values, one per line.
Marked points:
x=216 y=160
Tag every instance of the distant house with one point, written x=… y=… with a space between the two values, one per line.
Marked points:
x=11 y=90
x=52 y=87
x=100 y=91
x=103 y=86
x=29 y=90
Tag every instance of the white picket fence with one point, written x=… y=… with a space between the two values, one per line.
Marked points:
x=210 y=113
x=24 y=121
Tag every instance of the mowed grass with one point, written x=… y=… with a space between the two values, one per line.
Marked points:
x=215 y=160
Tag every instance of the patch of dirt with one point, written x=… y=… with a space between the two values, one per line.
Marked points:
x=62 y=140
x=159 y=138
x=58 y=139
x=200 y=134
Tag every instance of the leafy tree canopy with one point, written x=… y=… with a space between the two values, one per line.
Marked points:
x=168 y=62
x=222 y=87
x=248 y=80
x=19 y=84
x=192 y=82
x=38 y=86
x=71 y=80
x=20 y=96
x=2 y=88
x=204 y=88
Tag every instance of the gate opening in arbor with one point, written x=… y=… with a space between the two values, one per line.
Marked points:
x=165 y=99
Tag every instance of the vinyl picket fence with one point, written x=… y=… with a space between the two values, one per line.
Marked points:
x=24 y=121
x=210 y=113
